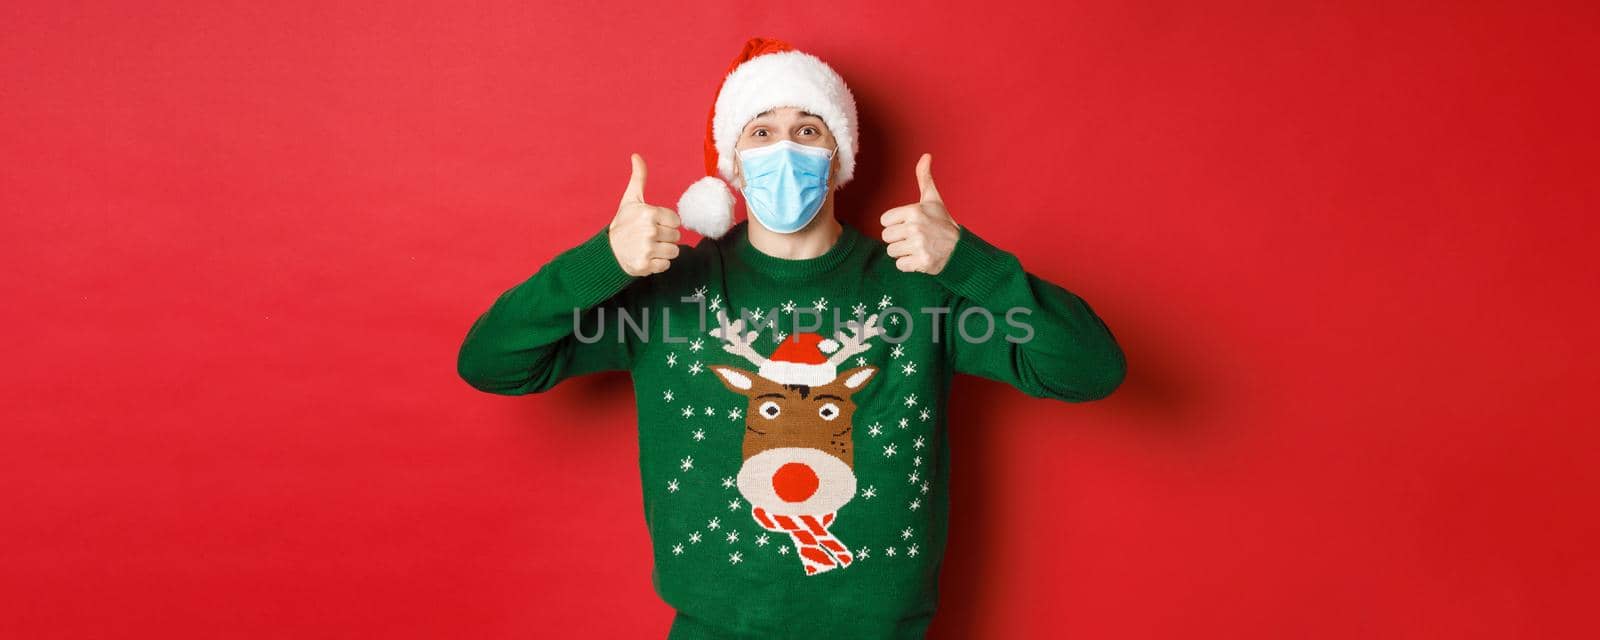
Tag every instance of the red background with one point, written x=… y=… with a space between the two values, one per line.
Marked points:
x=1348 y=250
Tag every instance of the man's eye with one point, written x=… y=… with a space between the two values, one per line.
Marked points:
x=759 y=133
x=813 y=131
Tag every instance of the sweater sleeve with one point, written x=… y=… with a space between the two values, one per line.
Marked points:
x=1047 y=342
x=529 y=339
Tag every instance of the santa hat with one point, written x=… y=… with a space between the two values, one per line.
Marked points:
x=767 y=74
x=801 y=359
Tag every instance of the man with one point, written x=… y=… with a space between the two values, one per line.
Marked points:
x=791 y=375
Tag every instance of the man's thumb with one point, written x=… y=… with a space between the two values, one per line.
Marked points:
x=930 y=193
x=635 y=192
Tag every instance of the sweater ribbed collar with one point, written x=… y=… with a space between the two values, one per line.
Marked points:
x=787 y=269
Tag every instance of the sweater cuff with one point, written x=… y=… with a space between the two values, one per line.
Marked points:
x=976 y=268
x=594 y=271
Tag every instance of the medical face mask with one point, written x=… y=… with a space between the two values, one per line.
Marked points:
x=785 y=183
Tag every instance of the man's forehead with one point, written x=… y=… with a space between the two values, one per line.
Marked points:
x=803 y=114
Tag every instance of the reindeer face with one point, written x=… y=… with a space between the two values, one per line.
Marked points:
x=815 y=417
x=799 y=454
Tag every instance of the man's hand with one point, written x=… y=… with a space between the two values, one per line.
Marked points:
x=643 y=237
x=921 y=235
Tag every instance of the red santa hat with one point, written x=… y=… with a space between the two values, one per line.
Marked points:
x=801 y=359
x=768 y=73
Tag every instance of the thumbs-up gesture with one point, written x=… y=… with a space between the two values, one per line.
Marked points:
x=921 y=235
x=644 y=237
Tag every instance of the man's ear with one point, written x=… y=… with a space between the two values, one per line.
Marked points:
x=735 y=379
x=856 y=378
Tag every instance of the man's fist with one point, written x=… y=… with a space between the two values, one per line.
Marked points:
x=921 y=235
x=643 y=237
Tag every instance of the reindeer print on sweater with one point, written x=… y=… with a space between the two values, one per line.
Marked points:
x=799 y=451
x=781 y=438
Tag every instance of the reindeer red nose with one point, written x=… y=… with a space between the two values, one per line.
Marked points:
x=794 y=482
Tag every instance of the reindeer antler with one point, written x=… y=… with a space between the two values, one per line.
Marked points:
x=735 y=340
x=857 y=343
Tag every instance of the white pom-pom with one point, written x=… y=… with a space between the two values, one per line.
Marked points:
x=707 y=207
x=828 y=345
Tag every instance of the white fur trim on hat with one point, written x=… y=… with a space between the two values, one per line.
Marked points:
x=706 y=207
x=784 y=79
x=811 y=375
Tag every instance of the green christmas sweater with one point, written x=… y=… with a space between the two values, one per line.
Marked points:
x=792 y=413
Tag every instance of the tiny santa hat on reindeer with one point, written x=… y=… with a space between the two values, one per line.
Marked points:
x=803 y=360
x=768 y=74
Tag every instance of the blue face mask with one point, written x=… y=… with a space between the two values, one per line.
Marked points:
x=785 y=183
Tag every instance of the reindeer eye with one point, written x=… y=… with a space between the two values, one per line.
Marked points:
x=769 y=410
x=828 y=411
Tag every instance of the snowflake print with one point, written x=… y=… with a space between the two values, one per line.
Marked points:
x=714 y=524
x=672 y=485
x=716 y=303
x=788 y=307
x=756 y=315
x=677 y=549
x=667 y=396
x=687 y=463
x=915 y=504
x=761 y=540
x=672 y=359
x=909 y=367
x=733 y=506
x=697 y=344
x=924 y=415
x=696 y=368
x=780 y=336
x=874 y=429
x=709 y=411
x=735 y=557
x=924 y=487
x=735 y=413
x=911 y=400
x=821 y=304
x=889 y=552
x=688 y=412
x=699 y=293
x=897 y=351
x=912 y=478
x=694 y=538
x=859 y=309
x=783 y=551
x=863 y=553
x=733 y=536
x=912 y=551
x=889 y=451
x=893 y=319
x=917 y=461
x=903 y=422
x=918 y=443
x=727 y=482
x=699 y=434
x=884 y=303
x=869 y=493
x=861 y=361
x=905 y=533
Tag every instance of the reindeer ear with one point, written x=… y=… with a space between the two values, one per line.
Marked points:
x=736 y=380
x=855 y=378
